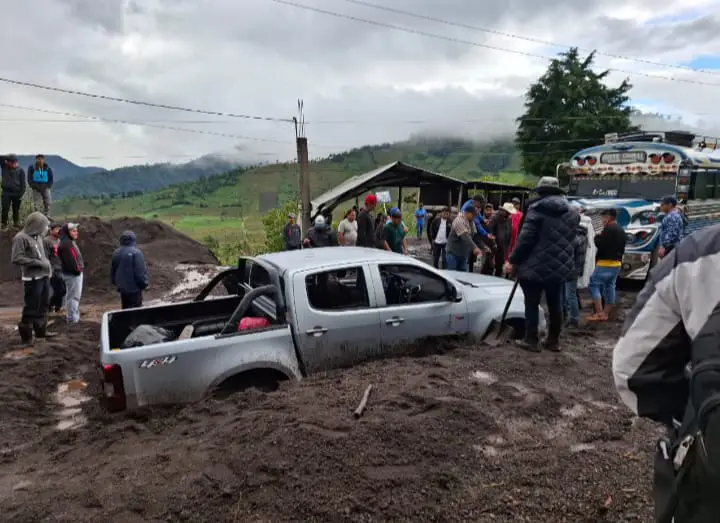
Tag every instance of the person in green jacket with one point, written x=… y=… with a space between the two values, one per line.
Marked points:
x=394 y=233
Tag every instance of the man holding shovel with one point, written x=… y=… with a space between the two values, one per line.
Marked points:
x=543 y=260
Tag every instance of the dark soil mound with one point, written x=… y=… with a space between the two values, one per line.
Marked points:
x=468 y=434
x=164 y=249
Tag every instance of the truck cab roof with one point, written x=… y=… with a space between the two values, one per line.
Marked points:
x=317 y=258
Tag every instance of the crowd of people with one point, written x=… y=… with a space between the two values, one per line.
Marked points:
x=52 y=270
x=550 y=247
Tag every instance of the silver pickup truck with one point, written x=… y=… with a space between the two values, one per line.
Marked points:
x=323 y=308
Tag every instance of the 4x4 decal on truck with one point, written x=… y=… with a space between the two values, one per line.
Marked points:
x=149 y=364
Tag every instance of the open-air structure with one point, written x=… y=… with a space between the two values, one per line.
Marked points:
x=435 y=190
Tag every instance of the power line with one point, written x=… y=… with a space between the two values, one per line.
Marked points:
x=88 y=119
x=97 y=119
x=128 y=122
x=485 y=120
x=525 y=38
x=474 y=44
x=146 y=104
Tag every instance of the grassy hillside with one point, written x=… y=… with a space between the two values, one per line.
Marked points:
x=224 y=209
x=137 y=179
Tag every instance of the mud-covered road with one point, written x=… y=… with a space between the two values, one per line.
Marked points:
x=452 y=433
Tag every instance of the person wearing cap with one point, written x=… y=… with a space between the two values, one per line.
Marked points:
x=366 y=223
x=671 y=227
x=481 y=235
x=13 y=190
x=57 y=285
x=28 y=253
x=40 y=179
x=500 y=227
x=292 y=234
x=610 y=245
x=394 y=233
x=543 y=260
x=347 y=229
x=460 y=245
x=320 y=235
x=73 y=268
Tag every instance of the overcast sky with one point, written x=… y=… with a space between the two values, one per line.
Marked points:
x=258 y=57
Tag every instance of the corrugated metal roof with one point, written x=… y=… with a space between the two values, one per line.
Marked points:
x=387 y=175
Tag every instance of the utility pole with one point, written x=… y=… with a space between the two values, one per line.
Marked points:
x=304 y=167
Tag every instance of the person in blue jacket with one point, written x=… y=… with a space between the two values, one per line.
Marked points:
x=40 y=178
x=420 y=215
x=129 y=272
x=482 y=236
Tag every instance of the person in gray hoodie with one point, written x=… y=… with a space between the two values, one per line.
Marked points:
x=28 y=253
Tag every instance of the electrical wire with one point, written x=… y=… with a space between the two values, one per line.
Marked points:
x=146 y=104
x=525 y=38
x=474 y=44
x=97 y=119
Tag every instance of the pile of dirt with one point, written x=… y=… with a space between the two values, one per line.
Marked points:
x=467 y=433
x=163 y=246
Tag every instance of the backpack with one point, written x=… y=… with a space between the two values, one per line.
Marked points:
x=687 y=465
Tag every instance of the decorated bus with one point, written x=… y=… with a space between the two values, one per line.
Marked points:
x=633 y=171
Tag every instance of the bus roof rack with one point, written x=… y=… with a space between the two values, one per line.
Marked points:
x=681 y=138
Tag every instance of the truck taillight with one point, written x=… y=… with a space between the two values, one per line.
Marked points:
x=113 y=389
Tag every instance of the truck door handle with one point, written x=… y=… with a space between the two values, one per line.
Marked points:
x=316 y=331
x=395 y=321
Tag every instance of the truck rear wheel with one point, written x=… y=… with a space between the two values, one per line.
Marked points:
x=264 y=380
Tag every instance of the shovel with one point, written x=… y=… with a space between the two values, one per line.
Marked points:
x=499 y=332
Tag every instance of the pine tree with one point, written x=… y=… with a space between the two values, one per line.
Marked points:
x=568 y=109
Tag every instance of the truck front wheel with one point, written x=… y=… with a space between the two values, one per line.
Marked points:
x=264 y=380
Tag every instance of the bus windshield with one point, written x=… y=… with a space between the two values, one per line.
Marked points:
x=648 y=165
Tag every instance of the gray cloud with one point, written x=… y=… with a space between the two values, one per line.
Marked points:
x=258 y=57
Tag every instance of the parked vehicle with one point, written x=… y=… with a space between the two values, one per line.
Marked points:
x=633 y=171
x=316 y=310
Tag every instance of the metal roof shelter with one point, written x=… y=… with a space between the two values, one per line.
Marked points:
x=396 y=174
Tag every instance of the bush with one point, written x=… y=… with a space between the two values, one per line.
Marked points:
x=273 y=223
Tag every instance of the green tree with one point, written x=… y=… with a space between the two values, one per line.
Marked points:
x=567 y=109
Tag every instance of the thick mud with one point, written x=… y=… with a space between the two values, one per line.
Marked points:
x=457 y=433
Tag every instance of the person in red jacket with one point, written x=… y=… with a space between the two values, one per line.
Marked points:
x=515 y=221
x=73 y=268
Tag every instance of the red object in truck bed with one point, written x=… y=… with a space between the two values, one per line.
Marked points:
x=247 y=324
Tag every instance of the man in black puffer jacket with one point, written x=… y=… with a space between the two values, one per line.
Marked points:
x=544 y=259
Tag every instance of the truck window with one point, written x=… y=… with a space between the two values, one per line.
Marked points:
x=342 y=289
x=396 y=277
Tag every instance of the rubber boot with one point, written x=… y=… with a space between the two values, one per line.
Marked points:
x=528 y=343
x=551 y=343
x=26 y=333
x=41 y=331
